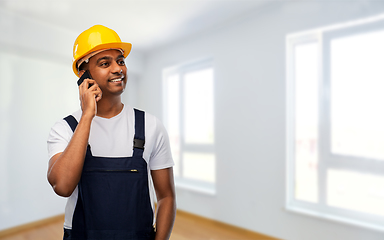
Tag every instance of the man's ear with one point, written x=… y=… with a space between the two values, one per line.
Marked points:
x=81 y=72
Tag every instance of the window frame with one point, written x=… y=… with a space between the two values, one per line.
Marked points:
x=326 y=159
x=182 y=69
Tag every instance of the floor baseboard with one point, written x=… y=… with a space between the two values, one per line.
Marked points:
x=233 y=228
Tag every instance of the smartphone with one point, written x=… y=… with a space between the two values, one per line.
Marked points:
x=84 y=76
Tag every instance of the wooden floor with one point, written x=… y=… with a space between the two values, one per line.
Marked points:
x=187 y=227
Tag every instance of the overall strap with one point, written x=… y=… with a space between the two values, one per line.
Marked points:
x=139 y=139
x=71 y=120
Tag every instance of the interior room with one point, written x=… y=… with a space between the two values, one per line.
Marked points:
x=273 y=107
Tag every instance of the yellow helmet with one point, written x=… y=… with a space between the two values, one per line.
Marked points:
x=94 y=39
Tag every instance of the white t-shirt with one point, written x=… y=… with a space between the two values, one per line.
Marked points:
x=113 y=137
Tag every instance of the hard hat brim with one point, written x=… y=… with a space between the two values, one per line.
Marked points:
x=126 y=47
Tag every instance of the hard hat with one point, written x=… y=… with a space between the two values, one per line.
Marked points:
x=94 y=39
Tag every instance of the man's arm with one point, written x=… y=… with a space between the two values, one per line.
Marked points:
x=64 y=170
x=166 y=202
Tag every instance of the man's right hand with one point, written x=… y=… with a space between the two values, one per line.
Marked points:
x=89 y=96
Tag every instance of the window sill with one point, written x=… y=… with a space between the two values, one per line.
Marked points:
x=199 y=187
x=334 y=218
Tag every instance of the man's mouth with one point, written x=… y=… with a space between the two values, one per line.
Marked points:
x=117 y=79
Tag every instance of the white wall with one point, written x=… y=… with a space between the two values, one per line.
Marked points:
x=37 y=88
x=249 y=62
x=32 y=98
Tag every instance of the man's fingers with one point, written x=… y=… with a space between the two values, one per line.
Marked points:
x=90 y=93
x=88 y=83
x=96 y=91
x=98 y=96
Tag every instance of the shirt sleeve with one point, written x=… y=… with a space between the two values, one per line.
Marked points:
x=161 y=156
x=58 y=138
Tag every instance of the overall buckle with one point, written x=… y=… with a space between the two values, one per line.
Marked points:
x=138 y=143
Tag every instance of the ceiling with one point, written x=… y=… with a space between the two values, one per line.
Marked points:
x=147 y=24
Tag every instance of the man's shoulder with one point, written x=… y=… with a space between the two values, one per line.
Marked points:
x=153 y=125
x=76 y=115
x=149 y=118
x=61 y=124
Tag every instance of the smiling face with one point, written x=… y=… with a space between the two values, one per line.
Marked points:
x=108 y=69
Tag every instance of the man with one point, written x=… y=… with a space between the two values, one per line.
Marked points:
x=105 y=156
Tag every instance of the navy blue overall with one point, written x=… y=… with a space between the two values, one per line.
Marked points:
x=113 y=200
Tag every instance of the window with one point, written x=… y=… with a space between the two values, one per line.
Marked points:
x=189 y=119
x=335 y=122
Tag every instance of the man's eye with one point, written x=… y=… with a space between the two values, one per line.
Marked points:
x=104 y=64
x=121 y=62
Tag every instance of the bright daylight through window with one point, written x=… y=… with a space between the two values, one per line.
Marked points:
x=189 y=119
x=335 y=122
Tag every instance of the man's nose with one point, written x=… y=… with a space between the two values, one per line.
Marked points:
x=117 y=69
